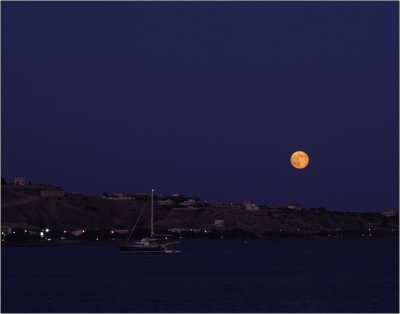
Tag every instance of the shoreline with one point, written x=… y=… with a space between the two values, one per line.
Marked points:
x=58 y=243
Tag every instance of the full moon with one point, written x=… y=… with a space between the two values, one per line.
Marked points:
x=299 y=160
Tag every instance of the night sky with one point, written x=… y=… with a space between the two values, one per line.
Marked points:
x=206 y=99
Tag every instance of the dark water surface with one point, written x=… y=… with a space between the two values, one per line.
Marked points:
x=279 y=275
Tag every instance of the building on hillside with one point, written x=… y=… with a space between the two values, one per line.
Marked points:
x=167 y=202
x=176 y=230
x=294 y=206
x=219 y=223
x=19 y=227
x=6 y=230
x=119 y=196
x=390 y=212
x=21 y=181
x=194 y=203
x=189 y=203
x=119 y=231
x=78 y=232
x=228 y=205
x=250 y=206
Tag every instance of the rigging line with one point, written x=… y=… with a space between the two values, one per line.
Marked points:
x=130 y=234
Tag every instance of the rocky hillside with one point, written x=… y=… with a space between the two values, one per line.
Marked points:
x=26 y=207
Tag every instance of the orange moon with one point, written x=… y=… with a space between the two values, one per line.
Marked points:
x=299 y=160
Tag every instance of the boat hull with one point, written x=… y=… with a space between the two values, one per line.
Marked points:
x=134 y=249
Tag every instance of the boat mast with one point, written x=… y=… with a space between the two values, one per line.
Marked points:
x=152 y=214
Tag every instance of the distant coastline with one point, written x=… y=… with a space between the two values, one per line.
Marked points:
x=40 y=214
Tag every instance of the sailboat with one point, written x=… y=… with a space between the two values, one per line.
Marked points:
x=151 y=244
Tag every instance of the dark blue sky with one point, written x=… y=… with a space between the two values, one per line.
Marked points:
x=206 y=99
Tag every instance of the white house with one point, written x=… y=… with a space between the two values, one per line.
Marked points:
x=390 y=212
x=250 y=206
x=20 y=181
x=293 y=206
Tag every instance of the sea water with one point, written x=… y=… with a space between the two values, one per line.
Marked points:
x=272 y=275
